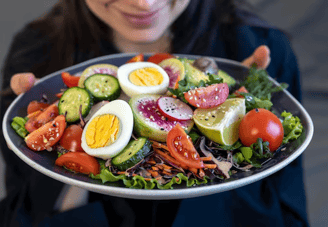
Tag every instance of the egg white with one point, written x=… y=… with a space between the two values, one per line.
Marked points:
x=122 y=110
x=130 y=89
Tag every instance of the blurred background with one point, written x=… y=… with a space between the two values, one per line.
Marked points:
x=307 y=24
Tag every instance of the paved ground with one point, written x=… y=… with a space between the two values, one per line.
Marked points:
x=307 y=22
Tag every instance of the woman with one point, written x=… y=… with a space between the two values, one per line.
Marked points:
x=75 y=31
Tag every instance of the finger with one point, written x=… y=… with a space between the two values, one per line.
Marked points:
x=22 y=82
x=261 y=57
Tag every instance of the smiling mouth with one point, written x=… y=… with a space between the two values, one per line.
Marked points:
x=142 y=19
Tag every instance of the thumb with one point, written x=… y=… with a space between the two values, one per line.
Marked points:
x=22 y=82
x=261 y=57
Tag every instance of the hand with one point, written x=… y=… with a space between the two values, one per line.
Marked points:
x=261 y=57
x=22 y=82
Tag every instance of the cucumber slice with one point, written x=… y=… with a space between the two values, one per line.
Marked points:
x=132 y=154
x=103 y=87
x=70 y=102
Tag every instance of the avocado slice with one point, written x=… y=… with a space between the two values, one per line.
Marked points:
x=227 y=78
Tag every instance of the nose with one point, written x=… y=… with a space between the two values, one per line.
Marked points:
x=144 y=4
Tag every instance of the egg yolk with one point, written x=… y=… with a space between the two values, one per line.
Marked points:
x=102 y=131
x=146 y=77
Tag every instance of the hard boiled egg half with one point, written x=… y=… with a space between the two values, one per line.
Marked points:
x=109 y=130
x=142 y=78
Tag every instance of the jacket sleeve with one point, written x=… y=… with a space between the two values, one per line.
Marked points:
x=23 y=183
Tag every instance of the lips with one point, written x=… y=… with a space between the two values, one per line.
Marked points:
x=142 y=19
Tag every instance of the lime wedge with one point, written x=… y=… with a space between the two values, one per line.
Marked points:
x=221 y=124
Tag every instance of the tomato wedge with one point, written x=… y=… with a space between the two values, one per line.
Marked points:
x=71 y=139
x=44 y=117
x=208 y=97
x=182 y=149
x=137 y=58
x=69 y=80
x=242 y=89
x=35 y=105
x=157 y=58
x=79 y=162
x=47 y=135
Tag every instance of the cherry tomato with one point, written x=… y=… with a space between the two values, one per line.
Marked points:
x=71 y=139
x=79 y=162
x=182 y=149
x=35 y=105
x=242 y=89
x=47 y=135
x=208 y=97
x=69 y=80
x=137 y=58
x=44 y=117
x=261 y=123
x=157 y=58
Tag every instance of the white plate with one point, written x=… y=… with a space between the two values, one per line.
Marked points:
x=44 y=162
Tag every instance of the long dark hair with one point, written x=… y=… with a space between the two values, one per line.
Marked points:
x=71 y=26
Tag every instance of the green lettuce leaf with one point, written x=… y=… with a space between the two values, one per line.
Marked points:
x=292 y=127
x=138 y=182
x=259 y=84
x=252 y=102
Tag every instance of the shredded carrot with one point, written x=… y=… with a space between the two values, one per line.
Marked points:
x=210 y=166
x=154 y=168
x=153 y=173
x=209 y=158
x=169 y=158
x=167 y=173
x=159 y=145
x=122 y=172
x=201 y=173
x=151 y=162
x=166 y=166
x=160 y=166
x=194 y=170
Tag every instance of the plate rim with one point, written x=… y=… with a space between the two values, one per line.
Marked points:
x=188 y=192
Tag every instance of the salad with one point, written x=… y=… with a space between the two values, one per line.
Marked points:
x=158 y=122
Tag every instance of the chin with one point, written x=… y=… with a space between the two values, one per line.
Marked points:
x=144 y=36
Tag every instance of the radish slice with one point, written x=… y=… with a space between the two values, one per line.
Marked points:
x=174 y=109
